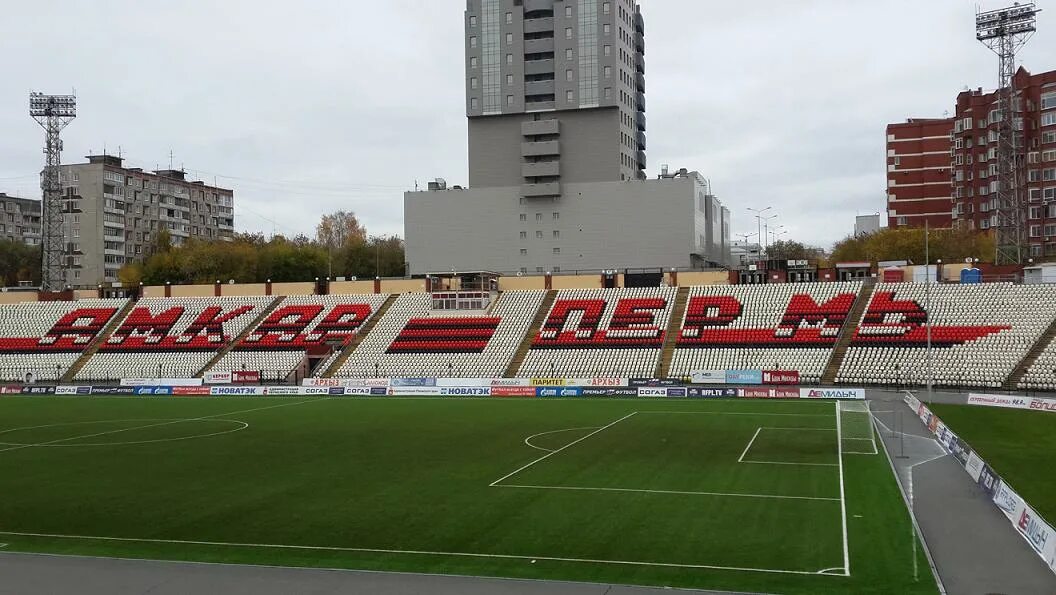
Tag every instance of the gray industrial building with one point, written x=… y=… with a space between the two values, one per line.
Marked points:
x=555 y=101
x=112 y=215
x=19 y=219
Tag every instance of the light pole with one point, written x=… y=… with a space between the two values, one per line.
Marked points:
x=759 y=224
x=766 y=228
x=927 y=302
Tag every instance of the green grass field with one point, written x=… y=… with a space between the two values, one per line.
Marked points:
x=732 y=495
x=1019 y=444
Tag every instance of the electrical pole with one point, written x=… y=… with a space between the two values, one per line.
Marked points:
x=53 y=113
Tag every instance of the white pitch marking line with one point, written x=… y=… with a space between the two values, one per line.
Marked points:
x=674 y=492
x=413 y=552
x=789 y=463
x=740 y=459
x=155 y=425
x=552 y=453
x=529 y=443
x=825 y=415
x=243 y=425
x=800 y=429
x=843 y=499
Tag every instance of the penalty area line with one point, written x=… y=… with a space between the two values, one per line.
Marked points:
x=406 y=552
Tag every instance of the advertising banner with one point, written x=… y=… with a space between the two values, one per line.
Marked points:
x=153 y=390
x=832 y=393
x=412 y=382
x=408 y=391
x=781 y=377
x=291 y=391
x=1043 y=404
x=558 y=391
x=11 y=389
x=465 y=391
x=596 y=382
x=511 y=382
x=237 y=391
x=744 y=376
x=376 y=391
x=652 y=382
x=768 y=393
x=73 y=390
x=974 y=466
x=161 y=382
x=191 y=390
x=988 y=480
x=710 y=393
x=345 y=382
x=217 y=378
x=1034 y=529
x=1007 y=500
x=615 y=391
x=463 y=381
x=245 y=376
x=113 y=390
x=549 y=381
x=708 y=376
x=354 y=391
x=1007 y=401
x=513 y=391
x=653 y=391
x=679 y=392
x=38 y=390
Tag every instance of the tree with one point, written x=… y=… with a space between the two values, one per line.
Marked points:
x=19 y=262
x=892 y=243
x=791 y=250
x=340 y=230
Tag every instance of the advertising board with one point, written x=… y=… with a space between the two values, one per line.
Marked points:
x=710 y=393
x=652 y=382
x=1034 y=529
x=1007 y=401
x=217 y=378
x=974 y=466
x=73 y=390
x=832 y=393
x=161 y=382
x=1043 y=404
x=153 y=390
x=38 y=390
x=113 y=390
x=237 y=391
x=187 y=391
x=511 y=382
x=458 y=382
x=1007 y=500
x=11 y=389
x=245 y=376
x=768 y=393
x=614 y=391
x=654 y=391
x=412 y=382
x=345 y=382
x=408 y=391
x=744 y=376
x=558 y=391
x=465 y=391
x=781 y=377
x=708 y=376
x=513 y=391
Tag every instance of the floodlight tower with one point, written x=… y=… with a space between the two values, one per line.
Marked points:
x=53 y=113
x=1005 y=31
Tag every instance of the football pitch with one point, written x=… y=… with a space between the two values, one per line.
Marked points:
x=774 y=496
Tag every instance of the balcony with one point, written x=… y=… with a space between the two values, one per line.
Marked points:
x=641 y=140
x=641 y=160
x=539 y=88
x=534 y=5
x=539 y=26
x=541 y=169
x=641 y=121
x=539 y=46
x=640 y=101
x=640 y=79
x=541 y=127
x=547 y=190
x=544 y=149
x=538 y=66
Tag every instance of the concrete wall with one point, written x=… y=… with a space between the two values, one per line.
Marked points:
x=402 y=285
x=695 y=278
x=522 y=283
x=352 y=287
x=17 y=297
x=194 y=291
x=613 y=225
x=293 y=289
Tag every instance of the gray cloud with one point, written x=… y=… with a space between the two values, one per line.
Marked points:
x=343 y=105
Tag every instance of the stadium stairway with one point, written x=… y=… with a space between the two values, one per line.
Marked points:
x=674 y=329
x=245 y=333
x=847 y=332
x=93 y=347
x=526 y=343
x=360 y=335
x=1012 y=382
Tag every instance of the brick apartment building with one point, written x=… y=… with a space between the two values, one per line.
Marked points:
x=944 y=171
x=919 y=186
x=975 y=165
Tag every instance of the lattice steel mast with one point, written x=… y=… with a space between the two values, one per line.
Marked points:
x=53 y=113
x=1005 y=32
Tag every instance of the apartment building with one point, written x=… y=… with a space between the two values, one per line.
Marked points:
x=919 y=185
x=19 y=219
x=112 y=215
x=975 y=163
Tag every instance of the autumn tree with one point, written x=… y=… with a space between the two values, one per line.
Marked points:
x=19 y=262
x=340 y=230
x=892 y=243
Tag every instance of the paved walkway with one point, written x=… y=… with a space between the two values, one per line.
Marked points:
x=974 y=547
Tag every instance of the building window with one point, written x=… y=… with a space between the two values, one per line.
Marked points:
x=524 y=217
x=524 y=252
x=606 y=7
x=538 y=235
x=1048 y=118
x=509 y=100
x=538 y=269
x=606 y=29
x=1048 y=100
x=557 y=251
x=557 y=216
x=568 y=54
x=608 y=93
x=509 y=18
x=568 y=12
x=523 y=270
x=607 y=50
x=474 y=104
x=509 y=80
x=473 y=82
x=473 y=41
x=538 y=216
x=472 y=20
x=1035 y=213
x=568 y=74
x=509 y=39
x=900 y=221
x=509 y=58
x=524 y=235
x=557 y=234
x=607 y=72
x=568 y=32
x=473 y=62
x=569 y=97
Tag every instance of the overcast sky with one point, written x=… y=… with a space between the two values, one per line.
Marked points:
x=310 y=107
